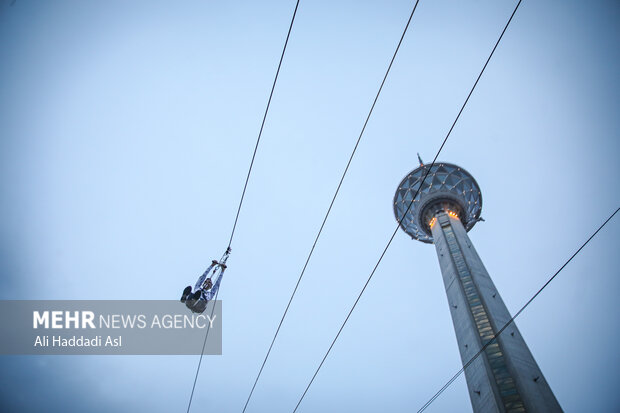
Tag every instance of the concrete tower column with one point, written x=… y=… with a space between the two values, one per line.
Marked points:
x=438 y=204
x=505 y=377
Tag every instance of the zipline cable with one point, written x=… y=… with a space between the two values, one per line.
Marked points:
x=222 y=268
x=436 y=395
x=408 y=208
x=247 y=179
x=346 y=169
x=260 y=132
x=189 y=405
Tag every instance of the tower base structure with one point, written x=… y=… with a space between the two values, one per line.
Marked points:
x=504 y=377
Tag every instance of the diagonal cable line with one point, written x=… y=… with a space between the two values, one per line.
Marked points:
x=331 y=205
x=260 y=132
x=408 y=208
x=204 y=344
x=493 y=339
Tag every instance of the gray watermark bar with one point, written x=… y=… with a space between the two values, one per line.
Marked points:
x=73 y=327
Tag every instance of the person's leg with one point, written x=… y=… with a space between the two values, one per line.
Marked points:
x=186 y=292
x=197 y=305
x=200 y=306
x=192 y=299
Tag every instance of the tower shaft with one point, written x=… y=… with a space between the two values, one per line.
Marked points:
x=505 y=377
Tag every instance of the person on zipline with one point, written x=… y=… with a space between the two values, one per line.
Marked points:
x=204 y=290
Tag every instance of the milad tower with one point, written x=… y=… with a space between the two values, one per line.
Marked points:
x=505 y=377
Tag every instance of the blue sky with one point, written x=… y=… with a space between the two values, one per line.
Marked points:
x=126 y=132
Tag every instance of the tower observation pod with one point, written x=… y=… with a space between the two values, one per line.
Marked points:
x=505 y=376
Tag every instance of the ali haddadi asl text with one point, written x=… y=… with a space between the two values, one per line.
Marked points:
x=78 y=341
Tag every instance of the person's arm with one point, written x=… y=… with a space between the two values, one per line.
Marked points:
x=203 y=277
x=213 y=291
